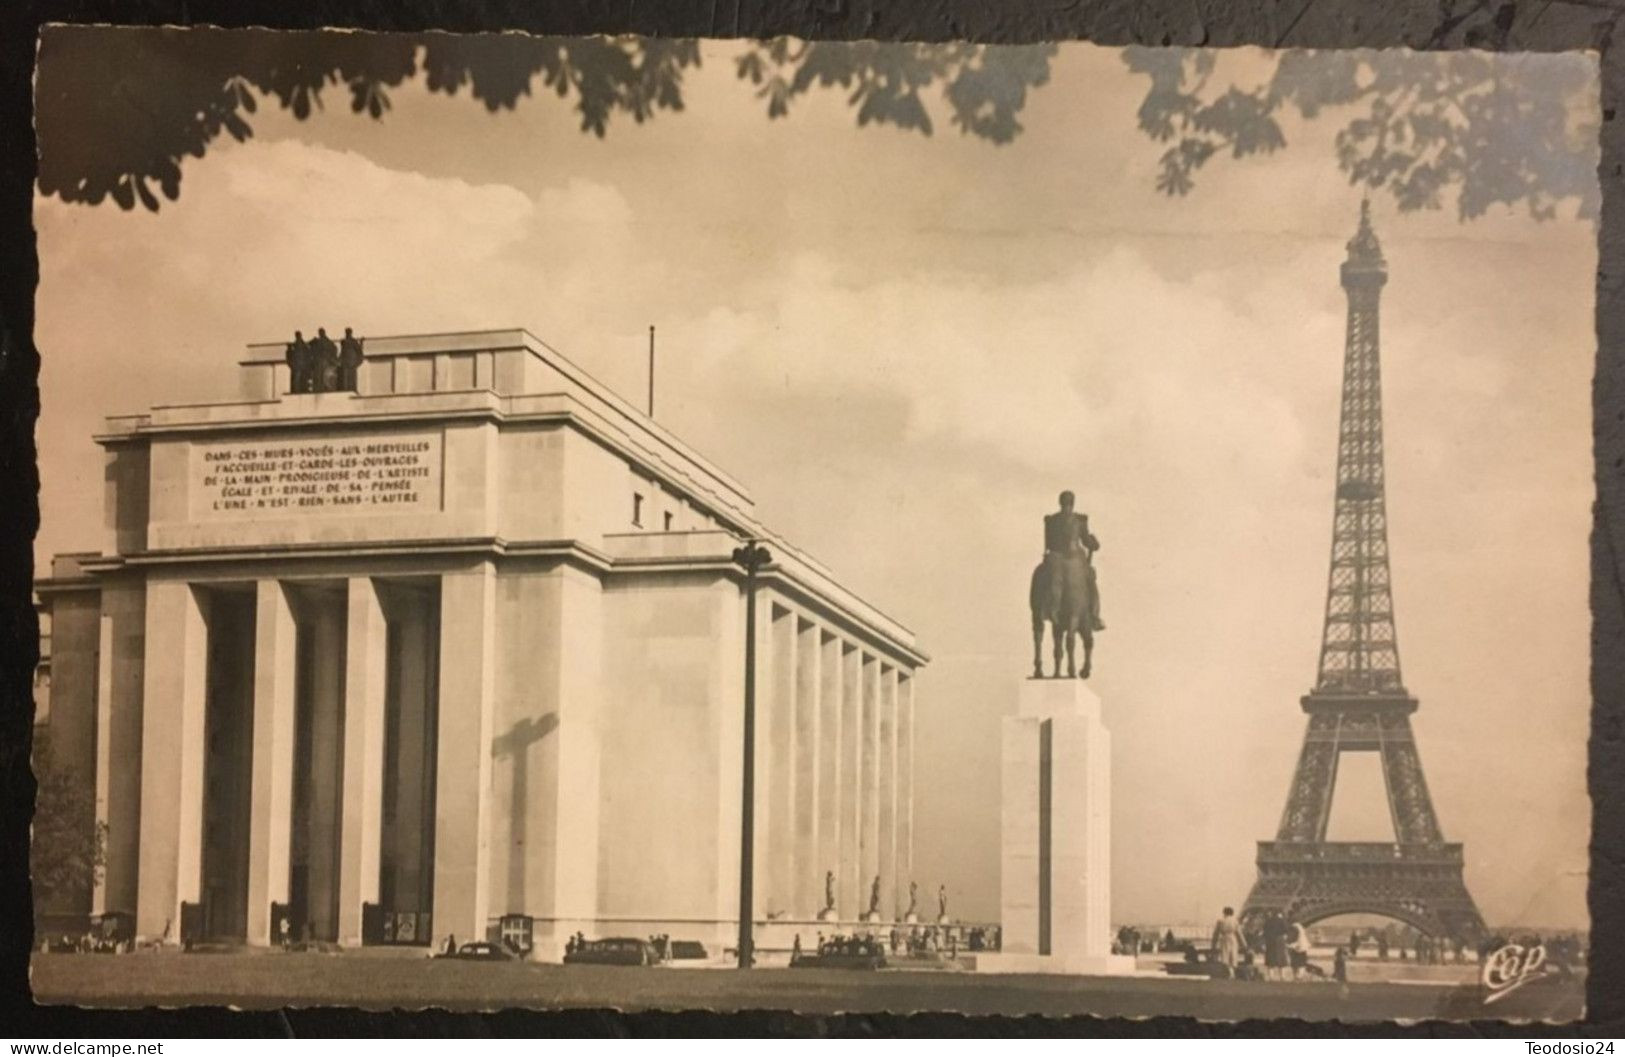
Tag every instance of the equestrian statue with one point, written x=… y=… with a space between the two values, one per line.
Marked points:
x=1064 y=591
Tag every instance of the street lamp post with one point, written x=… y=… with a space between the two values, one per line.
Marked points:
x=752 y=556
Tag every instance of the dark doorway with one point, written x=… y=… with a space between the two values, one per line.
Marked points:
x=318 y=758
x=228 y=762
x=411 y=725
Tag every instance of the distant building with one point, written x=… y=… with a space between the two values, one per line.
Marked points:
x=42 y=670
x=464 y=643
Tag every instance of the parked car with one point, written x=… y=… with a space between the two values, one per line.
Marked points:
x=481 y=951
x=616 y=951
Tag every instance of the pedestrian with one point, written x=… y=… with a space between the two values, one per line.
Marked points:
x=1340 y=967
x=1275 y=937
x=1227 y=941
x=1298 y=949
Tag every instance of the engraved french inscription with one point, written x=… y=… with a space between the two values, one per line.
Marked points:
x=378 y=474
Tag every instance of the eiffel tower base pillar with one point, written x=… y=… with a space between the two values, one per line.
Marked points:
x=1055 y=861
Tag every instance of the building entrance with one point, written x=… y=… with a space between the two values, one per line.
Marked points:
x=411 y=723
x=228 y=731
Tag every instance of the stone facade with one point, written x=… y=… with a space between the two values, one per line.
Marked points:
x=466 y=642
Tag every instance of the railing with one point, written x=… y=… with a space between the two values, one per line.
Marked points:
x=1340 y=852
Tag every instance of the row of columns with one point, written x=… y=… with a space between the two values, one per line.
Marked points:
x=835 y=772
x=173 y=752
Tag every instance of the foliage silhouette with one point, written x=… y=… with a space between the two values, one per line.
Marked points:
x=68 y=843
x=118 y=110
x=1498 y=130
x=985 y=87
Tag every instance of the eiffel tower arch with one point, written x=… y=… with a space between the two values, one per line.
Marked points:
x=1359 y=702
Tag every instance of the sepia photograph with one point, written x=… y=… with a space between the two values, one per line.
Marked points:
x=725 y=524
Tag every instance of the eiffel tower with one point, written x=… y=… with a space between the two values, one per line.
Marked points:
x=1359 y=703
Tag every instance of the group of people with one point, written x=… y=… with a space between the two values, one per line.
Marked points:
x=322 y=365
x=853 y=946
x=917 y=941
x=1131 y=940
x=1428 y=950
x=86 y=943
x=1285 y=948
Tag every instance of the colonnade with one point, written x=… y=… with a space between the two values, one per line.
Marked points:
x=328 y=743
x=388 y=796
x=835 y=771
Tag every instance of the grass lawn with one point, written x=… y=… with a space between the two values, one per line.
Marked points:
x=396 y=979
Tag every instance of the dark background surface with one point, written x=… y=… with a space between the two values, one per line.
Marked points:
x=1540 y=25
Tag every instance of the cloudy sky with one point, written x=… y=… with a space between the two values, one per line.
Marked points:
x=907 y=346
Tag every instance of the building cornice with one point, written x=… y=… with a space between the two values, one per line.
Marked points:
x=791 y=583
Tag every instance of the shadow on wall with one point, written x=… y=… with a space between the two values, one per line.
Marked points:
x=515 y=745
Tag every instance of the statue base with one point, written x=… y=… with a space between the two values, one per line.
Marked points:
x=828 y=914
x=944 y=919
x=872 y=918
x=911 y=918
x=1055 y=871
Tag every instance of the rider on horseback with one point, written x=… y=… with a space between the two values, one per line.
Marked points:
x=1066 y=539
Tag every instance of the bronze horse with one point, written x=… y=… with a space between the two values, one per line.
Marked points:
x=1063 y=594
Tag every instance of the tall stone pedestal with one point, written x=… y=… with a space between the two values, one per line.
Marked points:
x=1055 y=861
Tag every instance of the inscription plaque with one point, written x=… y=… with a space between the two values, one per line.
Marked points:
x=299 y=476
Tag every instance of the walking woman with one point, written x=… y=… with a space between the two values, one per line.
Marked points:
x=1227 y=942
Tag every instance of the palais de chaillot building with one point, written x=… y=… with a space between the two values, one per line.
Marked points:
x=389 y=664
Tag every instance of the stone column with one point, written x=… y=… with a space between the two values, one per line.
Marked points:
x=779 y=832
x=762 y=760
x=463 y=761
x=869 y=781
x=118 y=743
x=581 y=702
x=271 y=783
x=171 y=854
x=362 y=814
x=829 y=763
x=888 y=792
x=905 y=787
x=327 y=677
x=104 y=752
x=809 y=876
x=850 y=865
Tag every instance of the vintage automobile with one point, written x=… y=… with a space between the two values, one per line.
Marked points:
x=843 y=952
x=480 y=951
x=839 y=960
x=615 y=951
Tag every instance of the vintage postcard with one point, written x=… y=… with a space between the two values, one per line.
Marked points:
x=725 y=524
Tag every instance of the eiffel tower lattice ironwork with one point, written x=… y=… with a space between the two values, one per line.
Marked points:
x=1359 y=702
